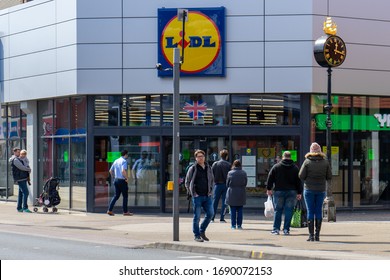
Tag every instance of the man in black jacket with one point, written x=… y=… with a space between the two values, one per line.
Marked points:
x=285 y=186
x=220 y=170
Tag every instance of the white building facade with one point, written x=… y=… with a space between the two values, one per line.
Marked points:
x=79 y=84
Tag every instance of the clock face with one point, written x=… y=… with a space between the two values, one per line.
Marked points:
x=334 y=51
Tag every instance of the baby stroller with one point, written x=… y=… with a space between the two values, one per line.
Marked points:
x=49 y=197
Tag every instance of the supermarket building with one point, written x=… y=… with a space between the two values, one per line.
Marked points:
x=78 y=84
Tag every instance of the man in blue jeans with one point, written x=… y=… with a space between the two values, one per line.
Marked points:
x=21 y=174
x=285 y=186
x=118 y=171
x=199 y=183
x=220 y=170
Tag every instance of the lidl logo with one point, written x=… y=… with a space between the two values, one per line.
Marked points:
x=202 y=40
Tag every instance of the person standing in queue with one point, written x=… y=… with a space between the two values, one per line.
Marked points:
x=236 y=193
x=220 y=170
x=199 y=183
x=118 y=171
x=315 y=172
x=284 y=184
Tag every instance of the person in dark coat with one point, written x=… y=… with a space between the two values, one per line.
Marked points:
x=220 y=170
x=315 y=172
x=236 y=193
x=284 y=184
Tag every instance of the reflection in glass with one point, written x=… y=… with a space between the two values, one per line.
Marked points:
x=143 y=169
x=45 y=113
x=79 y=186
x=198 y=109
x=261 y=153
x=277 y=109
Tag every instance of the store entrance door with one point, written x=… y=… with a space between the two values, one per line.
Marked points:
x=188 y=145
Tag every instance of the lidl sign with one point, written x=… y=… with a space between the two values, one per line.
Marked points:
x=203 y=41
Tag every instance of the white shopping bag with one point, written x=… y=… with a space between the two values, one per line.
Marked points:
x=268 y=208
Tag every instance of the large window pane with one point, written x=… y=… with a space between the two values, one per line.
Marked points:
x=45 y=114
x=368 y=165
x=14 y=125
x=277 y=109
x=142 y=111
x=198 y=109
x=107 y=110
x=61 y=116
x=45 y=150
x=143 y=169
x=78 y=163
x=258 y=155
x=78 y=115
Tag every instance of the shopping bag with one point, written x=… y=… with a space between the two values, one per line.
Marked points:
x=269 y=208
x=299 y=217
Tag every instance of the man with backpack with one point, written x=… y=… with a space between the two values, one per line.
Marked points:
x=21 y=174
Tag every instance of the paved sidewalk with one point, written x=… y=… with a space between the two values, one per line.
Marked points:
x=355 y=235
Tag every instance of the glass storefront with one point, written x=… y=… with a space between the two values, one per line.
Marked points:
x=254 y=128
x=199 y=115
x=263 y=109
x=12 y=134
x=144 y=170
x=360 y=133
x=62 y=148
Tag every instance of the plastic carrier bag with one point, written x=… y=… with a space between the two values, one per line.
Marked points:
x=269 y=208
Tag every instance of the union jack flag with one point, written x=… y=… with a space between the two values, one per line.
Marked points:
x=195 y=109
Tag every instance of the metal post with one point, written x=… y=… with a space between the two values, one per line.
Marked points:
x=329 y=207
x=176 y=141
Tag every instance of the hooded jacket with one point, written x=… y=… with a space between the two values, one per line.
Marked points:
x=315 y=172
x=283 y=176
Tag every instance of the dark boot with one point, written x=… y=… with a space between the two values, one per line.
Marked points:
x=318 y=229
x=310 y=225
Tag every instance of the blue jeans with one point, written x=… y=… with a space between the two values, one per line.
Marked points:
x=236 y=215
x=121 y=187
x=284 y=201
x=314 y=201
x=23 y=195
x=219 y=192
x=201 y=202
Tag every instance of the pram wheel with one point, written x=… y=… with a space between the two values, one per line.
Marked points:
x=55 y=210
x=35 y=209
x=45 y=209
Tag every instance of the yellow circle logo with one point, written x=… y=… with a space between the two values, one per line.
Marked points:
x=202 y=41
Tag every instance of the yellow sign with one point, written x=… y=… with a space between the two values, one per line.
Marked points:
x=202 y=41
x=266 y=152
x=170 y=186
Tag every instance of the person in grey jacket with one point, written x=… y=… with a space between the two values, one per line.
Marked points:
x=236 y=194
x=199 y=183
x=21 y=174
x=315 y=172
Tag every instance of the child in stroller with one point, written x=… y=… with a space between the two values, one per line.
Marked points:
x=49 y=197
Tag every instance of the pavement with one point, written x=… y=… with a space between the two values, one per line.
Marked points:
x=357 y=235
